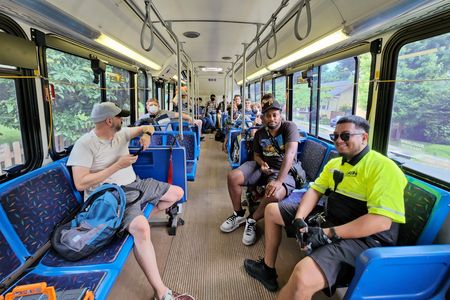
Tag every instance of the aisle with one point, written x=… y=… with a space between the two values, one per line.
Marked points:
x=200 y=259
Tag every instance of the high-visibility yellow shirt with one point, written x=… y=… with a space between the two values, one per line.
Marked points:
x=372 y=178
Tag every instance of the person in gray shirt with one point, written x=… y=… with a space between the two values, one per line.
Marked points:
x=102 y=156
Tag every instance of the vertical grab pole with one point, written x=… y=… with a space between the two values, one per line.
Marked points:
x=244 y=78
x=232 y=93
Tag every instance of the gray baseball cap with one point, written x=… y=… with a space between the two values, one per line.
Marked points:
x=105 y=110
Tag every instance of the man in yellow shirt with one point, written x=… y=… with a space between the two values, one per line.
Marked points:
x=365 y=204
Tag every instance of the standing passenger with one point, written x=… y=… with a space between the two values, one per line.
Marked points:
x=269 y=168
x=102 y=156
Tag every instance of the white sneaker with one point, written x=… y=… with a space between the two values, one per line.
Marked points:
x=233 y=222
x=249 y=236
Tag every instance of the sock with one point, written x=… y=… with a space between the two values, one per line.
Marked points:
x=240 y=213
x=271 y=270
x=250 y=218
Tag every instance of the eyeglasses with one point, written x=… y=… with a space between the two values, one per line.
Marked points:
x=345 y=136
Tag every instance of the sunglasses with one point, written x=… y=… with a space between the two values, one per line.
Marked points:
x=345 y=136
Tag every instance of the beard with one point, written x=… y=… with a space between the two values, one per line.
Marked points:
x=118 y=127
x=272 y=126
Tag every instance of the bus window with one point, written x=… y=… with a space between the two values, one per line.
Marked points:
x=365 y=61
x=118 y=88
x=280 y=93
x=268 y=86
x=301 y=101
x=419 y=130
x=252 y=92
x=75 y=95
x=336 y=94
x=143 y=87
x=257 y=91
x=11 y=143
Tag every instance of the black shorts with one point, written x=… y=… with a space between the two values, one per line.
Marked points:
x=331 y=258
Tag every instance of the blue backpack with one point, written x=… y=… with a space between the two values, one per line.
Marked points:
x=95 y=224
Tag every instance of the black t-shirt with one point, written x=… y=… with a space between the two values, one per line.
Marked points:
x=262 y=143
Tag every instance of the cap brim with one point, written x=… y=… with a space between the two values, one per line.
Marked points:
x=123 y=113
x=269 y=108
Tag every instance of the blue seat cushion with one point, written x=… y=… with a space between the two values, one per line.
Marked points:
x=311 y=158
x=90 y=280
x=8 y=260
x=108 y=254
x=34 y=206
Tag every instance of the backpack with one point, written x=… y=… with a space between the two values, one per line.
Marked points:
x=94 y=225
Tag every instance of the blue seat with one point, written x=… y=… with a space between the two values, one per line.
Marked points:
x=189 y=142
x=409 y=272
x=31 y=206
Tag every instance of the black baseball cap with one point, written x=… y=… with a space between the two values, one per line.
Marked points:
x=270 y=104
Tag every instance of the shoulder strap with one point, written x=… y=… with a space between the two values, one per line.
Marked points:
x=275 y=144
x=129 y=188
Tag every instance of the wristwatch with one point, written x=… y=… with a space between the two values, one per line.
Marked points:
x=334 y=237
x=148 y=130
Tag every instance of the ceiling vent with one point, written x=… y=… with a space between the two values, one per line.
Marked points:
x=226 y=58
x=191 y=34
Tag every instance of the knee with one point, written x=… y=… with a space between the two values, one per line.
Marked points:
x=271 y=211
x=302 y=278
x=176 y=193
x=139 y=228
x=235 y=177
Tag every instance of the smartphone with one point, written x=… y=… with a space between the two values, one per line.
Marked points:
x=139 y=151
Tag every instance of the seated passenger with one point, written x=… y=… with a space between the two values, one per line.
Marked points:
x=365 y=205
x=185 y=116
x=248 y=108
x=269 y=168
x=102 y=156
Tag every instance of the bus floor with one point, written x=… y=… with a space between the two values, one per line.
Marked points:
x=200 y=259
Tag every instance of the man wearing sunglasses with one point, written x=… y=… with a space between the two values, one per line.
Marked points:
x=365 y=204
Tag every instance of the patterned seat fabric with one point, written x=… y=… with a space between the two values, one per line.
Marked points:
x=311 y=158
x=188 y=143
x=90 y=280
x=36 y=205
x=106 y=254
x=8 y=260
x=418 y=206
x=156 y=140
x=331 y=155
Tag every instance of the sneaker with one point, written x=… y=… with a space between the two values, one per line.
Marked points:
x=233 y=222
x=249 y=236
x=170 y=295
x=258 y=270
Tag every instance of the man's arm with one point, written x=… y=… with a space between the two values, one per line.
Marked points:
x=84 y=178
x=289 y=153
x=363 y=226
x=309 y=201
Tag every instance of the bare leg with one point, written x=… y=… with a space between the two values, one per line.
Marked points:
x=145 y=254
x=280 y=194
x=174 y=194
x=305 y=281
x=273 y=225
x=235 y=183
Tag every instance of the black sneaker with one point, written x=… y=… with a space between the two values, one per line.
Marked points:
x=258 y=270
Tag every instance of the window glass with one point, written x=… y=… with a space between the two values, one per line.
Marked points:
x=257 y=91
x=118 y=88
x=142 y=88
x=280 y=93
x=75 y=95
x=252 y=92
x=420 y=128
x=336 y=93
x=11 y=146
x=301 y=101
x=268 y=86
x=365 y=61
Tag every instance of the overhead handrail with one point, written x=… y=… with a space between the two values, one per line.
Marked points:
x=274 y=35
x=301 y=4
x=147 y=22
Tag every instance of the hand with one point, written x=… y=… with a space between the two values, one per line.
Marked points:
x=148 y=129
x=272 y=187
x=266 y=169
x=145 y=141
x=126 y=161
x=316 y=238
x=300 y=228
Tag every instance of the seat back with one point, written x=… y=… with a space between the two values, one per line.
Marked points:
x=426 y=208
x=312 y=156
